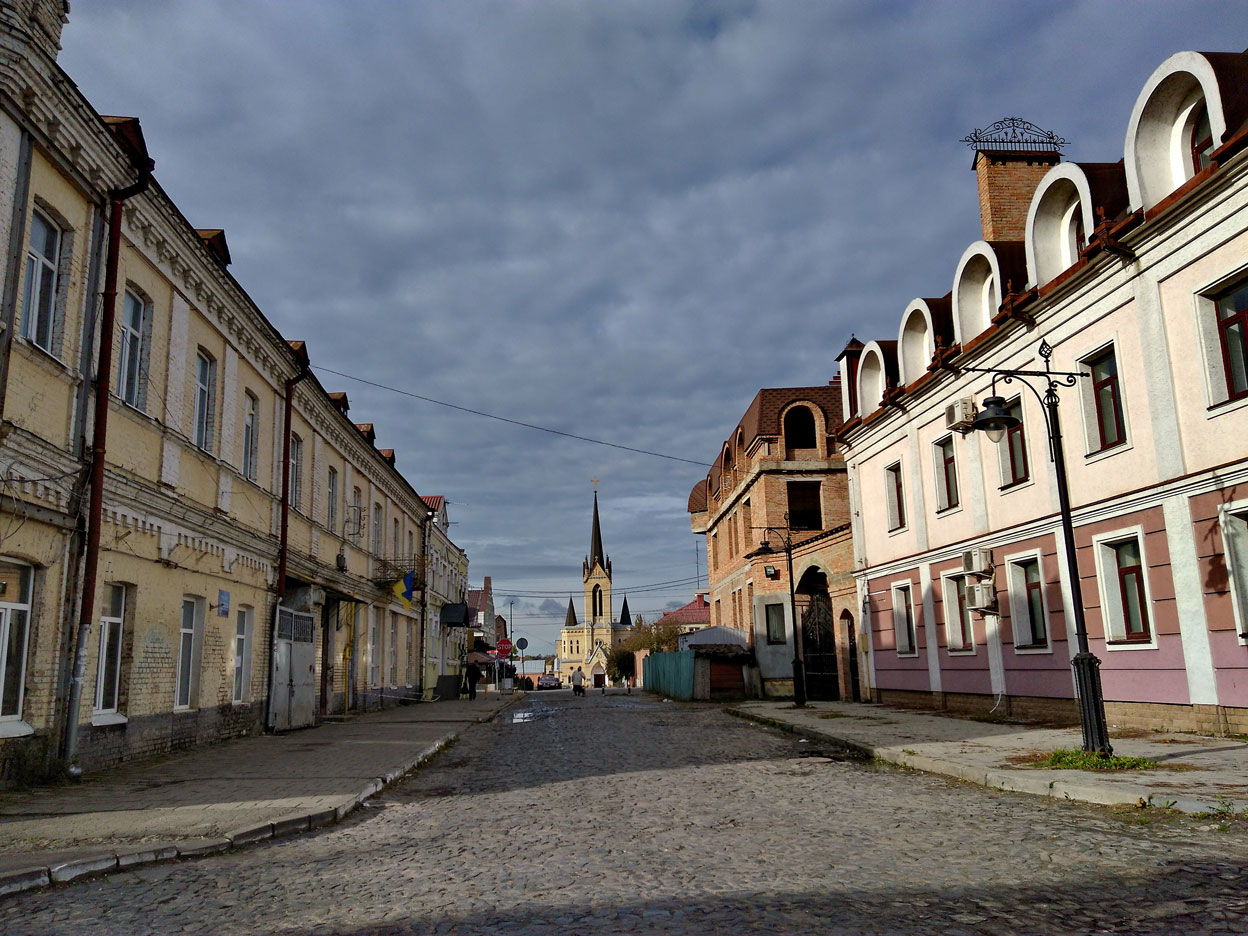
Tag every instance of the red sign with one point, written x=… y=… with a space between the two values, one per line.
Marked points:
x=504 y=647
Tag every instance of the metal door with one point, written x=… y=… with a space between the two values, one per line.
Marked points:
x=819 y=650
x=294 y=671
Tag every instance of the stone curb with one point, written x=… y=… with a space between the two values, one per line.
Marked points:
x=1010 y=781
x=130 y=856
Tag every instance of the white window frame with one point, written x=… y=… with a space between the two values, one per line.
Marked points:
x=374 y=649
x=12 y=724
x=36 y=265
x=296 y=471
x=1020 y=610
x=895 y=497
x=244 y=632
x=331 y=500
x=379 y=516
x=1112 y=620
x=949 y=599
x=190 y=642
x=357 y=507
x=1233 y=522
x=392 y=657
x=132 y=351
x=943 y=507
x=911 y=641
x=1205 y=314
x=251 y=435
x=112 y=628
x=205 y=399
x=1007 y=485
x=1087 y=405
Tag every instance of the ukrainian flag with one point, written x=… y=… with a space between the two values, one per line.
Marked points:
x=405 y=589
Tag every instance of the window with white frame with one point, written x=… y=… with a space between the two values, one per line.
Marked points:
x=398 y=538
x=1015 y=468
x=356 y=521
x=1123 y=578
x=1027 y=604
x=411 y=544
x=1233 y=519
x=205 y=399
x=190 y=628
x=16 y=581
x=296 y=471
x=903 y=620
x=394 y=650
x=243 y=622
x=946 y=474
x=43 y=274
x=374 y=649
x=108 y=661
x=378 y=540
x=331 y=500
x=132 y=351
x=894 y=492
x=251 y=435
x=959 y=633
x=1232 y=341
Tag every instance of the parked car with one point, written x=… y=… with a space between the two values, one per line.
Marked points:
x=548 y=681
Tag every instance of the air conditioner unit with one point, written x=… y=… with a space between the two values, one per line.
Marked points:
x=981 y=597
x=961 y=414
x=342 y=562
x=977 y=561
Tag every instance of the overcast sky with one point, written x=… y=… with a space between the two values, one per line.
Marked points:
x=615 y=219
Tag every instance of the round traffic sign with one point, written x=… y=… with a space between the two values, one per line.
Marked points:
x=504 y=646
x=522 y=643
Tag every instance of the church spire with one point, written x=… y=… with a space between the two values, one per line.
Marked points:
x=570 y=620
x=595 y=538
x=624 y=618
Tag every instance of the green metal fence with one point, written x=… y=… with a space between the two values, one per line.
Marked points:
x=669 y=673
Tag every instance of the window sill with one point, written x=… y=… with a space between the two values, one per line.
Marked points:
x=1033 y=648
x=896 y=530
x=1015 y=485
x=16 y=728
x=1134 y=643
x=961 y=652
x=1227 y=406
x=946 y=511
x=46 y=358
x=908 y=655
x=101 y=719
x=1108 y=452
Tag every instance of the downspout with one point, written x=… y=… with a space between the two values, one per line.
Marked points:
x=99 y=437
x=283 y=541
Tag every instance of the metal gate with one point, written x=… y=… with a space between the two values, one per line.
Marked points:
x=819 y=650
x=294 y=671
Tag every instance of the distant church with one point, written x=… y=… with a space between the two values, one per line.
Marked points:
x=587 y=644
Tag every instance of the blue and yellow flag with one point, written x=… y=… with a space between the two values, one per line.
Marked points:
x=405 y=589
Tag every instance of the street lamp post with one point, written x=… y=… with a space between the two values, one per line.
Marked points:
x=799 y=662
x=995 y=421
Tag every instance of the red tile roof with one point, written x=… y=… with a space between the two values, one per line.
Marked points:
x=433 y=501
x=697 y=611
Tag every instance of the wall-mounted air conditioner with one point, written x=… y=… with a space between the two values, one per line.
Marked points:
x=981 y=597
x=960 y=414
x=977 y=561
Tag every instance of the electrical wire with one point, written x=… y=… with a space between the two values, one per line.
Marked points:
x=514 y=422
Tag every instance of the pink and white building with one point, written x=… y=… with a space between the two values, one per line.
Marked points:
x=1136 y=273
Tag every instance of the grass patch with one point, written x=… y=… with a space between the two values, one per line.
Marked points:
x=1072 y=759
x=833 y=715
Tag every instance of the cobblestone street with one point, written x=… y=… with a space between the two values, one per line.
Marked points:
x=628 y=814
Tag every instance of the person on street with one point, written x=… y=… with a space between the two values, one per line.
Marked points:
x=474 y=676
x=578 y=682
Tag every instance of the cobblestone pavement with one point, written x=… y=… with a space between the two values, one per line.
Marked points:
x=626 y=814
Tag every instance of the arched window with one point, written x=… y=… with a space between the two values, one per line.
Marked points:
x=596 y=602
x=799 y=429
x=1201 y=141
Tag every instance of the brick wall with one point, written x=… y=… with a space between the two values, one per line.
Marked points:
x=1007 y=181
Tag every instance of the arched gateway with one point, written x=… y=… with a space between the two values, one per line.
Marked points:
x=818 y=636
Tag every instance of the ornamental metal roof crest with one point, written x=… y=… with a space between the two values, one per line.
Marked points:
x=1014 y=133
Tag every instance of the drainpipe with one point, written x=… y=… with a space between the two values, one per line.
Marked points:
x=283 y=541
x=99 y=437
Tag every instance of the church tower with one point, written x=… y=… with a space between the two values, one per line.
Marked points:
x=596 y=575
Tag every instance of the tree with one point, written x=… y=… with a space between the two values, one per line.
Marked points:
x=659 y=637
x=621 y=664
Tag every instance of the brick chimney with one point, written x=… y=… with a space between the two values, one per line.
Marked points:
x=1007 y=180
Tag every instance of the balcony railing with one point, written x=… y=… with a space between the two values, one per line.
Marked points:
x=389 y=569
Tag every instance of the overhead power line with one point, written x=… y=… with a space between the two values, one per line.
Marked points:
x=514 y=422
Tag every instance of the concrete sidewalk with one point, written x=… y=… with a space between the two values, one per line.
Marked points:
x=221 y=796
x=1198 y=773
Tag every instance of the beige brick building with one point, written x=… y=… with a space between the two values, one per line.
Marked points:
x=179 y=640
x=780 y=477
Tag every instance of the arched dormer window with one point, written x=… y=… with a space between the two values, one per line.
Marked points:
x=976 y=292
x=870 y=380
x=799 y=431
x=1058 y=222
x=1177 y=123
x=915 y=342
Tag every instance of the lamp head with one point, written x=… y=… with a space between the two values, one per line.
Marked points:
x=995 y=419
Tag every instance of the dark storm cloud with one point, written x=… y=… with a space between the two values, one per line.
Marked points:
x=614 y=219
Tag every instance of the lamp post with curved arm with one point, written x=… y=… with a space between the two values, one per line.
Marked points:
x=995 y=421
x=799 y=664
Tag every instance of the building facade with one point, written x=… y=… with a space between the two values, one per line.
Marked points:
x=1135 y=274
x=446 y=582
x=779 y=478
x=215 y=507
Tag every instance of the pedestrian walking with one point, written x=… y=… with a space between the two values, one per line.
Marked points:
x=474 y=676
x=578 y=682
